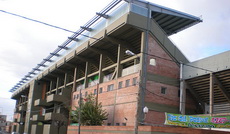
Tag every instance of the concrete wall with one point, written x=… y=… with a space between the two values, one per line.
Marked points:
x=214 y=63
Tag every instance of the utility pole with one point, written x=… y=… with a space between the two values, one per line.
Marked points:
x=2 y=110
x=79 y=115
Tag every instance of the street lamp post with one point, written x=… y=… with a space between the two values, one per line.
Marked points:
x=79 y=115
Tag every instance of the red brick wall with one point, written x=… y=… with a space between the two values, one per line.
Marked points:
x=168 y=69
x=163 y=67
x=119 y=103
x=143 y=129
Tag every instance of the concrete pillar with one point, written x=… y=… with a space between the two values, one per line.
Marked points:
x=87 y=70
x=182 y=91
x=51 y=84
x=211 y=94
x=182 y=97
x=142 y=80
x=120 y=57
x=57 y=85
x=101 y=66
x=35 y=92
x=74 y=79
x=65 y=79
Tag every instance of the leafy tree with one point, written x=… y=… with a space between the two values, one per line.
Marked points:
x=92 y=113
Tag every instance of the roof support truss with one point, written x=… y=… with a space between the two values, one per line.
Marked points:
x=194 y=94
x=222 y=88
x=121 y=42
x=100 y=51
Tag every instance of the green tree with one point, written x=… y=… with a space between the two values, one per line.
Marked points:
x=92 y=113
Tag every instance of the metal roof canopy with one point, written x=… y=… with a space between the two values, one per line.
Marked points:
x=197 y=76
x=171 y=21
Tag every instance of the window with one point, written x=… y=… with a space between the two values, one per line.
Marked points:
x=163 y=90
x=179 y=93
x=86 y=94
x=127 y=83
x=134 y=81
x=120 y=85
x=43 y=111
x=117 y=124
x=101 y=90
x=123 y=124
x=108 y=124
x=95 y=91
x=75 y=97
x=110 y=87
x=152 y=62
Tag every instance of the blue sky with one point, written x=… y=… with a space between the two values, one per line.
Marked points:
x=23 y=44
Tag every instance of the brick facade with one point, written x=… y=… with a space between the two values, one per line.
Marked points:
x=120 y=103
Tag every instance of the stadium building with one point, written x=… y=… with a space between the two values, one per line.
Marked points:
x=124 y=57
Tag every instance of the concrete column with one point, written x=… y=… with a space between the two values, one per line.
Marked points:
x=51 y=84
x=101 y=66
x=182 y=91
x=57 y=85
x=35 y=92
x=120 y=57
x=74 y=79
x=87 y=70
x=211 y=94
x=142 y=80
x=65 y=79
x=182 y=97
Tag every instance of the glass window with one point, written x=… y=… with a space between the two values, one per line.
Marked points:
x=163 y=90
x=120 y=85
x=117 y=124
x=134 y=81
x=110 y=87
x=127 y=83
x=101 y=90
x=95 y=91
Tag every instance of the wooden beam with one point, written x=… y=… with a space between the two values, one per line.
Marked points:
x=222 y=88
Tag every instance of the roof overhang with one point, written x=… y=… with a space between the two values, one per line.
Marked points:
x=170 y=20
x=199 y=74
x=121 y=12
